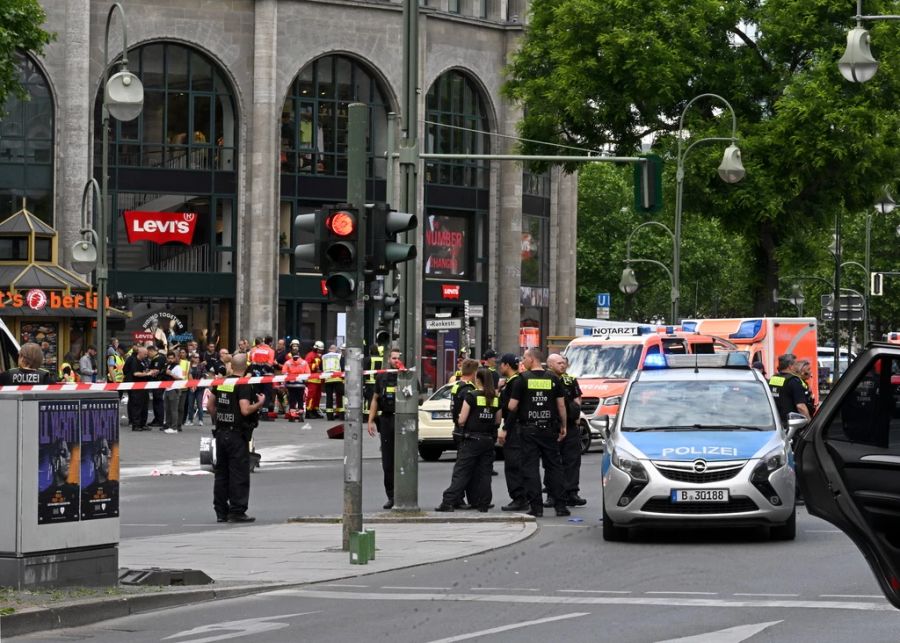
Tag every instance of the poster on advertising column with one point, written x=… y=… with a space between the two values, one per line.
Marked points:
x=99 y=459
x=58 y=458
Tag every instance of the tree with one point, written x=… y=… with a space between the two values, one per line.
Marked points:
x=617 y=73
x=20 y=30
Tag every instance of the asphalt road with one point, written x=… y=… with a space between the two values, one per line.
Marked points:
x=703 y=587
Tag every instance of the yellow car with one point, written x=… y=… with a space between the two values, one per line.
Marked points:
x=436 y=425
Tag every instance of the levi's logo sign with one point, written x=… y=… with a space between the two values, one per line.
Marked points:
x=160 y=227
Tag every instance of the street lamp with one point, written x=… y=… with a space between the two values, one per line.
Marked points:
x=629 y=285
x=84 y=252
x=123 y=99
x=858 y=65
x=731 y=170
x=884 y=205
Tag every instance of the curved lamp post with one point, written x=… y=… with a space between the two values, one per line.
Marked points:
x=858 y=65
x=731 y=170
x=123 y=99
x=629 y=285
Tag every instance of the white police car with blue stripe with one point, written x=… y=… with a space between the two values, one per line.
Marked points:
x=698 y=442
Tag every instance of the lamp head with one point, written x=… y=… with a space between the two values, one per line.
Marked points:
x=124 y=96
x=857 y=64
x=885 y=205
x=84 y=256
x=731 y=169
x=628 y=284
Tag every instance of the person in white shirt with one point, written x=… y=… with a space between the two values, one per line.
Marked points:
x=172 y=399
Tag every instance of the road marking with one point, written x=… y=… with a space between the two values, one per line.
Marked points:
x=849 y=596
x=503 y=589
x=823 y=531
x=409 y=587
x=237 y=629
x=144 y=524
x=344 y=585
x=688 y=593
x=669 y=601
x=729 y=635
x=595 y=591
x=771 y=595
x=507 y=628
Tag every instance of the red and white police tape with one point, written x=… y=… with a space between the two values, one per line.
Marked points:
x=156 y=384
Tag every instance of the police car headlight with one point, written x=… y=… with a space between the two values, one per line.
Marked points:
x=771 y=462
x=612 y=401
x=626 y=462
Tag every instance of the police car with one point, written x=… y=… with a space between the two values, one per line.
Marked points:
x=698 y=442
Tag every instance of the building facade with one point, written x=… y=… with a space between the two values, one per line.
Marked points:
x=244 y=126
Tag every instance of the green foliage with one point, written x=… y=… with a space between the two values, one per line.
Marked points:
x=618 y=73
x=20 y=30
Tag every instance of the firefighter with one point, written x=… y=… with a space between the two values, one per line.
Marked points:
x=332 y=364
x=314 y=383
x=262 y=360
x=295 y=365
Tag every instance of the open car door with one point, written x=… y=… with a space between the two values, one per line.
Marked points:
x=848 y=461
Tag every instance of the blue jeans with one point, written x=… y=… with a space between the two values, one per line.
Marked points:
x=194 y=399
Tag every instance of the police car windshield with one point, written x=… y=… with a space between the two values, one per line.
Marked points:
x=608 y=361
x=697 y=406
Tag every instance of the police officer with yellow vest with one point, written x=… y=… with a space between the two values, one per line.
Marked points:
x=461 y=387
x=539 y=402
x=787 y=389
x=510 y=439
x=478 y=421
x=333 y=362
x=570 y=448
x=235 y=411
x=384 y=401
x=374 y=362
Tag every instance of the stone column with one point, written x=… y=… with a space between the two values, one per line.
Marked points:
x=506 y=288
x=258 y=289
x=563 y=251
x=73 y=93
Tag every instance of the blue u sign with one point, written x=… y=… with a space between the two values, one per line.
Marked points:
x=603 y=300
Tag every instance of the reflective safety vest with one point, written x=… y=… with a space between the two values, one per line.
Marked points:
x=331 y=363
x=261 y=354
x=295 y=366
x=375 y=364
x=185 y=369
x=118 y=371
x=71 y=377
x=315 y=367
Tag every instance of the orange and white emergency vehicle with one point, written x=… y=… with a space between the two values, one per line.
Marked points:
x=605 y=359
x=765 y=338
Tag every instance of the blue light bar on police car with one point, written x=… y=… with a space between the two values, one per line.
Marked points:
x=730 y=359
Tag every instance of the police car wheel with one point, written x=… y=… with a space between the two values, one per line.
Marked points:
x=430 y=454
x=585 y=437
x=611 y=533
x=787 y=531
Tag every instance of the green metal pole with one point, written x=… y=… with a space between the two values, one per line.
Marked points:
x=356 y=196
x=406 y=436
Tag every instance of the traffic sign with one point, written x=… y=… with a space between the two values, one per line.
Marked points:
x=848 y=302
x=603 y=300
x=447 y=323
x=603 y=312
x=476 y=310
x=846 y=315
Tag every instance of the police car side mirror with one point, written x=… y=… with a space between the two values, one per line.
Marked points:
x=796 y=421
x=601 y=424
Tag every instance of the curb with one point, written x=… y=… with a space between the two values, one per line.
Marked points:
x=90 y=611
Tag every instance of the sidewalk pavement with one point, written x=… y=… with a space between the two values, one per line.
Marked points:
x=250 y=559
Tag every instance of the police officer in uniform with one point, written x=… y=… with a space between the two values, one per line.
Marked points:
x=29 y=371
x=510 y=439
x=570 y=448
x=373 y=363
x=540 y=406
x=384 y=400
x=478 y=422
x=787 y=389
x=235 y=409
x=137 y=369
x=158 y=367
x=463 y=384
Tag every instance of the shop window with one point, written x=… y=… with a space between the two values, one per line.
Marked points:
x=26 y=145
x=457 y=123
x=13 y=248
x=43 y=249
x=535 y=251
x=314 y=118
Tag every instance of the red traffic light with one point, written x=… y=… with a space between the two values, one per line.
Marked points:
x=341 y=223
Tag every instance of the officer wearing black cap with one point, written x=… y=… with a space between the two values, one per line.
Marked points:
x=510 y=439
x=489 y=359
x=539 y=403
x=384 y=401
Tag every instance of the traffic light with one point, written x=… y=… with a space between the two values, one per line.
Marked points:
x=309 y=253
x=648 y=184
x=389 y=311
x=385 y=253
x=877 y=286
x=340 y=246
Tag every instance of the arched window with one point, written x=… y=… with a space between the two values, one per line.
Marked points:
x=314 y=118
x=456 y=113
x=26 y=145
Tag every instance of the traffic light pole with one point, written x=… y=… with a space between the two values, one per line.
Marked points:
x=356 y=196
x=406 y=432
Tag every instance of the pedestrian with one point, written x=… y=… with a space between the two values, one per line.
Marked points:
x=333 y=367
x=87 y=365
x=295 y=366
x=803 y=369
x=570 y=448
x=787 y=389
x=489 y=361
x=373 y=363
x=381 y=419
x=538 y=401
x=137 y=369
x=314 y=383
x=195 y=393
x=510 y=439
x=158 y=364
x=172 y=395
x=29 y=371
x=478 y=421
x=234 y=409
